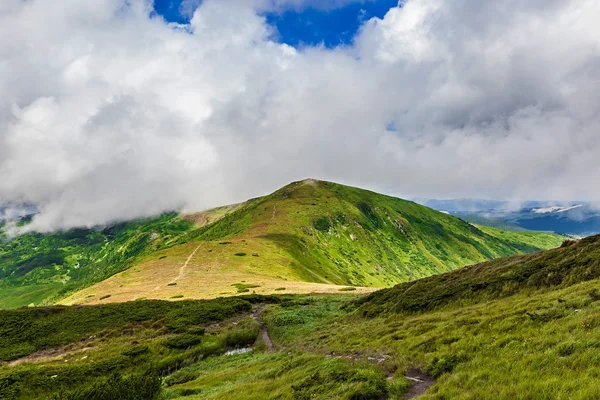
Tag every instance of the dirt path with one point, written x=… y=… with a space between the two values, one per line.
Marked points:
x=185 y=264
x=264 y=333
x=422 y=382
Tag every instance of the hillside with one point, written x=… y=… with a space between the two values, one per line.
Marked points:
x=517 y=327
x=40 y=268
x=572 y=263
x=310 y=236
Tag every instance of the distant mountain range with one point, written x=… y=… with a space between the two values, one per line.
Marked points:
x=568 y=218
x=16 y=211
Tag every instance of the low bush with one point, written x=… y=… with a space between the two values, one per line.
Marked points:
x=180 y=377
x=182 y=342
x=138 y=387
x=135 y=350
x=444 y=364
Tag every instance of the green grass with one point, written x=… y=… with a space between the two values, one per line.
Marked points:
x=285 y=376
x=330 y=233
x=308 y=231
x=41 y=268
x=27 y=330
x=564 y=266
x=537 y=340
x=520 y=327
x=86 y=347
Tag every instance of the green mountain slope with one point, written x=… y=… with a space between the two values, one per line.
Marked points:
x=518 y=327
x=572 y=263
x=37 y=268
x=309 y=231
x=339 y=234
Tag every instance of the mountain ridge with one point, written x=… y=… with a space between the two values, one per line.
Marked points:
x=308 y=236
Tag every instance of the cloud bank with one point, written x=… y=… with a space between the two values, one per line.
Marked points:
x=109 y=114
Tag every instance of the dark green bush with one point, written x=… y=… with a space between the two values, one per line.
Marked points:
x=137 y=387
x=322 y=224
x=135 y=350
x=26 y=330
x=244 y=334
x=188 y=392
x=441 y=365
x=180 y=377
x=196 y=330
x=184 y=341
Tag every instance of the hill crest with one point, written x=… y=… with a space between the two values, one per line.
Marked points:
x=310 y=236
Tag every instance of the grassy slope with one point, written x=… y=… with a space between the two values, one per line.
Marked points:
x=308 y=236
x=163 y=341
x=78 y=347
x=519 y=327
x=39 y=268
x=563 y=266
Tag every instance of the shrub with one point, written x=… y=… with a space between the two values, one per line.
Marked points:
x=566 y=349
x=441 y=365
x=135 y=350
x=196 y=330
x=244 y=334
x=180 y=377
x=184 y=341
x=322 y=224
x=188 y=392
x=138 y=387
x=240 y=254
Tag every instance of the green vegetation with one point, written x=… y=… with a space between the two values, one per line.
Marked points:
x=531 y=333
x=27 y=330
x=519 y=327
x=115 y=351
x=41 y=268
x=492 y=222
x=308 y=231
x=564 y=266
x=285 y=376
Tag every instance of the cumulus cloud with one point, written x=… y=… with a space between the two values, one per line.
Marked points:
x=107 y=113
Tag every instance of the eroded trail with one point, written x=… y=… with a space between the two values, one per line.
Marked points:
x=264 y=333
x=185 y=264
x=422 y=382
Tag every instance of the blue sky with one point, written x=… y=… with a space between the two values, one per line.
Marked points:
x=309 y=26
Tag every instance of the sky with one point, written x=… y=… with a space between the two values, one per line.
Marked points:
x=114 y=109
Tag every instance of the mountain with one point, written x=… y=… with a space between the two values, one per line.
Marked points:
x=571 y=218
x=577 y=219
x=572 y=263
x=523 y=326
x=309 y=236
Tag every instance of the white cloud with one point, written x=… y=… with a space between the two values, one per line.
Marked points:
x=108 y=114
